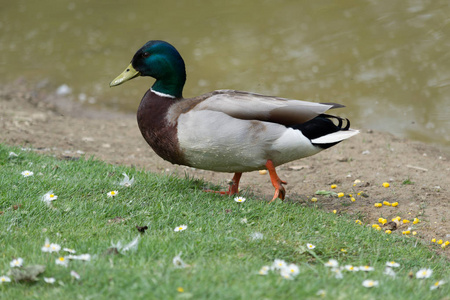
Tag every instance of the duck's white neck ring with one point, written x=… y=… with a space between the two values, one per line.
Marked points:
x=162 y=94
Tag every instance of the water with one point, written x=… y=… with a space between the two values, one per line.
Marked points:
x=387 y=61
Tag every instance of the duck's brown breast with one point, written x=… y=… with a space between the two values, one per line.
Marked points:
x=159 y=133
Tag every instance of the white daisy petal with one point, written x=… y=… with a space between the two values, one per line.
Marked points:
x=16 y=263
x=180 y=228
x=370 y=283
x=50 y=280
x=310 y=246
x=424 y=273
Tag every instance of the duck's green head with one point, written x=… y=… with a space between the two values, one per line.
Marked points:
x=161 y=61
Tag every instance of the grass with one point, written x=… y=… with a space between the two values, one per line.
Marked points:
x=224 y=260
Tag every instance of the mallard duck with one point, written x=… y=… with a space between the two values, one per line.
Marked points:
x=226 y=130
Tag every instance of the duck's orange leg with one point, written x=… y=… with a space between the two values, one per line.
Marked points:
x=234 y=186
x=277 y=183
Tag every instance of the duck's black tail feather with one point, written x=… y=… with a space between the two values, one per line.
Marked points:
x=320 y=130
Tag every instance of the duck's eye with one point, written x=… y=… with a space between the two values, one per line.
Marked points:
x=145 y=54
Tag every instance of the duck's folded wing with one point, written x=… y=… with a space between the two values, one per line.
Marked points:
x=250 y=106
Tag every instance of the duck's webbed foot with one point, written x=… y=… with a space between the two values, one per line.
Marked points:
x=234 y=186
x=277 y=183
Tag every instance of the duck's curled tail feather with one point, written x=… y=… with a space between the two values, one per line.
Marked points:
x=324 y=133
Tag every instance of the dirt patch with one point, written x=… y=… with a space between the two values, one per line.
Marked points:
x=418 y=174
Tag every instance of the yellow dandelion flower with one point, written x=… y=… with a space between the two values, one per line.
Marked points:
x=352 y=199
x=414 y=232
x=350 y=195
x=406 y=232
x=405 y=221
x=388 y=231
x=375 y=225
x=394 y=204
x=358 y=222
x=344 y=250
x=180 y=289
x=386 y=184
x=378 y=205
x=447 y=243
x=440 y=242
x=382 y=221
x=386 y=203
x=433 y=240
x=313 y=199
x=334 y=211
x=416 y=221
x=333 y=186
x=340 y=195
x=443 y=246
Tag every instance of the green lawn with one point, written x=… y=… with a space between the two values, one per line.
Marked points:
x=219 y=244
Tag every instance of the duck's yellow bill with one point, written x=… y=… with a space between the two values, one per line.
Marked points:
x=126 y=75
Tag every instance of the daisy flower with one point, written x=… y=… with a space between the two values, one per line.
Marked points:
x=27 y=173
x=279 y=264
x=178 y=262
x=392 y=264
x=126 y=181
x=70 y=250
x=256 y=236
x=50 y=280
x=46 y=247
x=75 y=275
x=310 y=246
x=4 y=279
x=84 y=257
x=180 y=228
x=437 y=284
x=424 y=273
x=49 y=197
x=337 y=273
x=50 y=247
x=370 y=283
x=112 y=193
x=389 y=272
x=286 y=274
x=292 y=269
x=351 y=268
x=16 y=263
x=239 y=199
x=62 y=261
x=366 y=268
x=332 y=263
x=54 y=247
x=321 y=293
x=264 y=270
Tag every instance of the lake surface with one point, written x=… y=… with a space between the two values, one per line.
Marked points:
x=387 y=61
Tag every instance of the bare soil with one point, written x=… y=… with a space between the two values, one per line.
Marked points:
x=418 y=173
